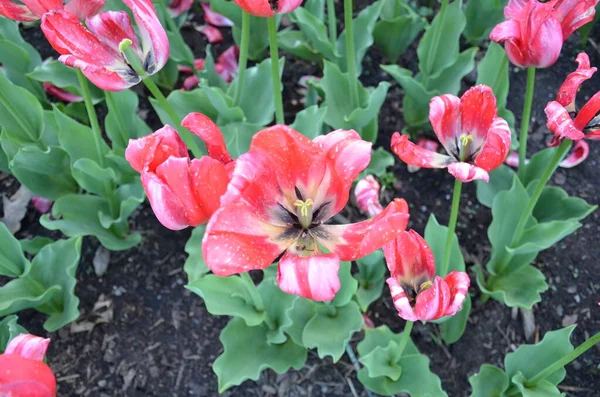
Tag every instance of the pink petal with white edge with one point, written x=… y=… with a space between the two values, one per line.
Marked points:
x=112 y=27
x=401 y=302
x=579 y=153
x=415 y=155
x=212 y=34
x=573 y=14
x=84 y=8
x=311 y=277
x=512 y=160
x=214 y=18
x=410 y=259
x=150 y=151
x=506 y=30
x=102 y=78
x=445 y=118
x=458 y=282
x=465 y=172
x=560 y=122
x=478 y=111
x=367 y=195
x=496 y=146
x=210 y=133
x=166 y=206
x=40 y=7
x=28 y=346
x=433 y=302
x=17 y=12
x=568 y=90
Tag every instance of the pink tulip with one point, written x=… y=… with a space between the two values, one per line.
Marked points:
x=32 y=10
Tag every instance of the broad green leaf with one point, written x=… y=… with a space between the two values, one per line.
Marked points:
x=395 y=33
x=541 y=389
x=3 y=160
x=315 y=7
x=16 y=62
x=454 y=327
x=448 y=79
x=179 y=51
x=371 y=102
x=543 y=235
x=315 y=32
x=77 y=139
x=383 y=362
x=122 y=122
x=530 y=360
x=348 y=286
x=227 y=296
x=22 y=114
x=371 y=277
x=482 y=16
x=223 y=104
x=555 y=204
x=294 y=42
x=185 y=102
x=277 y=303
x=493 y=70
x=92 y=177
x=435 y=235
x=330 y=332
x=33 y=245
x=416 y=97
x=194 y=265
x=309 y=122
x=500 y=179
x=521 y=288
x=537 y=165
x=381 y=160
x=300 y=313
x=381 y=337
x=12 y=261
x=238 y=137
x=247 y=353
x=8 y=330
x=127 y=198
x=490 y=381
x=62 y=76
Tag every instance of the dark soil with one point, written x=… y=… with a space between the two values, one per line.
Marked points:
x=158 y=339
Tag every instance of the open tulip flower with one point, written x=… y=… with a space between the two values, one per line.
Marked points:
x=268 y=8
x=280 y=196
x=108 y=52
x=476 y=139
x=32 y=10
x=564 y=120
x=23 y=372
x=182 y=192
x=534 y=32
x=419 y=294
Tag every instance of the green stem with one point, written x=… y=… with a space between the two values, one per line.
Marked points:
x=451 y=226
x=518 y=234
x=331 y=22
x=526 y=119
x=185 y=134
x=256 y=298
x=350 y=52
x=91 y=112
x=558 y=364
x=274 y=49
x=243 y=61
x=405 y=337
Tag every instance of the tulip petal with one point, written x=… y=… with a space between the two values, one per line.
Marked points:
x=112 y=27
x=209 y=179
x=561 y=123
x=445 y=118
x=573 y=14
x=28 y=346
x=60 y=93
x=588 y=113
x=506 y=30
x=410 y=259
x=17 y=12
x=401 y=302
x=20 y=377
x=433 y=303
x=178 y=7
x=568 y=90
x=579 y=153
x=512 y=160
x=478 y=111
x=286 y=6
x=367 y=195
x=496 y=146
x=191 y=82
x=166 y=206
x=214 y=18
x=258 y=8
x=458 y=282
x=84 y=8
x=148 y=152
x=210 y=133
x=212 y=34
x=465 y=172
x=227 y=63
x=415 y=155
x=355 y=240
x=312 y=277
x=40 y=7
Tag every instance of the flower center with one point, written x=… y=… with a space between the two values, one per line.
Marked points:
x=131 y=57
x=466 y=141
x=413 y=289
x=304 y=212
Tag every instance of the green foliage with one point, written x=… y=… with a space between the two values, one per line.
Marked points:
x=381 y=160
x=309 y=122
x=8 y=330
x=194 y=266
x=482 y=16
x=64 y=77
x=370 y=277
x=522 y=366
x=398 y=27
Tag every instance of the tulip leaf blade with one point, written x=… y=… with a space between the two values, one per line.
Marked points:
x=22 y=113
x=122 y=122
x=541 y=389
x=482 y=16
x=195 y=266
x=12 y=261
x=299 y=313
x=383 y=362
x=9 y=328
x=489 y=381
x=277 y=303
x=296 y=43
x=348 y=286
x=500 y=179
x=315 y=32
x=453 y=328
x=396 y=30
x=250 y=343
x=370 y=277
x=556 y=205
x=309 y=122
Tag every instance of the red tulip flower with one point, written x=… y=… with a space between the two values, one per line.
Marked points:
x=32 y=10
x=23 y=372
x=534 y=32
x=268 y=8
x=564 y=120
x=98 y=50
x=182 y=192
x=367 y=195
x=419 y=294
x=476 y=139
x=280 y=196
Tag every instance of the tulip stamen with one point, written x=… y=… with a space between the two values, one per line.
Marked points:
x=466 y=142
x=304 y=212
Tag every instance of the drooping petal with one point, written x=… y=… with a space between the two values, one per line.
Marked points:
x=353 y=241
x=178 y=7
x=17 y=12
x=313 y=277
x=210 y=133
x=588 y=113
x=580 y=152
x=568 y=90
x=21 y=377
x=61 y=94
x=465 y=172
x=444 y=115
x=112 y=27
x=191 y=82
x=214 y=18
x=409 y=259
x=433 y=302
x=401 y=301
x=367 y=195
x=561 y=123
x=415 y=155
x=105 y=79
x=458 y=282
x=506 y=30
x=84 y=8
x=212 y=34
x=41 y=204
x=28 y=346
x=148 y=152
x=496 y=146
x=478 y=111
x=573 y=14
x=238 y=240
x=165 y=204
x=227 y=63
x=40 y=7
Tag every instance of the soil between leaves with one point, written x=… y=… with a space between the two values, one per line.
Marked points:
x=161 y=341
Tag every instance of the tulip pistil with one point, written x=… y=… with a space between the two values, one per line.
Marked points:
x=466 y=141
x=304 y=212
x=131 y=57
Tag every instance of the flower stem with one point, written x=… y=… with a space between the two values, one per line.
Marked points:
x=331 y=21
x=275 y=70
x=405 y=337
x=350 y=52
x=558 y=364
x=560 y=152
x=91 y=112
x=243 y=60
x=451 y=226
x=185 y=134
x=256 y=298
x=526 y=119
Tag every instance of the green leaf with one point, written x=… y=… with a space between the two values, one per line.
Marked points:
x=209 y=72
x=500 y=179
x=381 y=337
x=238 y=137
x=555 y=204
x=22 y=115
x=348 y=286
x=529 y=360
x=33 y=245
x=416 y=96
x=493 y=70
x=12 y=261
x=537 y=165
x=309 y=122
x=247 y=353
x=543 y=235
x=224 y=105
x=179 y=51
x=329 y=332
x=8 y=330
x=435 y=235
x=490 y=381
x=394 y=35
x=277 y=303
x=454 y=327
x=194 y=265
x=482 y=16
x=448 y=80
x=227 y=296
x=77 y=139
x=300 y=313
x=93 y=178
x=371 y=277
x=381 y=160
x=521 y=288
x=185 y=102
x=294 y=42
x=541 y=389
x=315 y=32
x=122 y=122
x=62 y=76
x=383 y=362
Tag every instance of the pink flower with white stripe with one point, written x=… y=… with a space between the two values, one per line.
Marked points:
x=280 y=196
x=367 y=195
x=475 y=138
x=419 y=294
x=32 y=10
x=100 y=49
x=564 y=119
